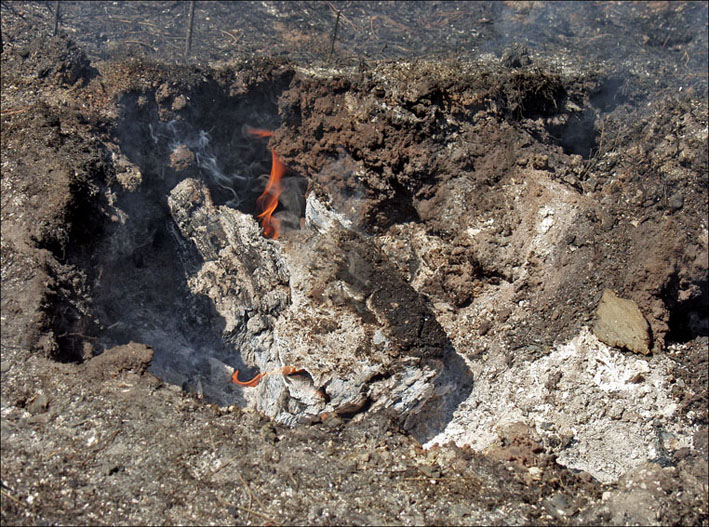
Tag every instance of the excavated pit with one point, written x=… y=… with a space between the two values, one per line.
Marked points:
x=179 y=263
x=438 y=225
x=141 y=262
x=510 y=192
x=140 y=289
x=420 y=233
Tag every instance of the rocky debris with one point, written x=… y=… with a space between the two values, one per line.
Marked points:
x=596 y=408
x=519 y=443
x=324 y=301
x=39 y=405
x=639 y=499
x=689 y=379
x=181 y=158
x=620 y=323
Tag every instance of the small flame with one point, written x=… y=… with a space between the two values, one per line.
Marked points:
x=285 y=371
x=258 y=132
x=268 y=200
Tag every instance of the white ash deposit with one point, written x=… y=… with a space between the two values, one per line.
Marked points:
x=601 y=406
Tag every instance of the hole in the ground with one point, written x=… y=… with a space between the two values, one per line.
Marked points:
x=578 y=134
x=534 y=94
x=689 y=317
x=141 y=263
x=609 y=95
x=198 y=284
x=67 y=307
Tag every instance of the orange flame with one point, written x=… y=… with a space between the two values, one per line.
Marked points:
x=258 y=132
x=268 y=201
x=285 y=371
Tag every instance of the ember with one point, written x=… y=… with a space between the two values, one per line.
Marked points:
x=268 y=200
x=285 y=371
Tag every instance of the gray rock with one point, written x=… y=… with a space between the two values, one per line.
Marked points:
x=675 y=202
x=620 y=323
x=39 y=405
x=323 y=301
x=559 y=506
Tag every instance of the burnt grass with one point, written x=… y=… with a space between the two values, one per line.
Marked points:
x=93 y=438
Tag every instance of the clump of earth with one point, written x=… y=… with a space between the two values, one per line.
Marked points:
x=485 y=301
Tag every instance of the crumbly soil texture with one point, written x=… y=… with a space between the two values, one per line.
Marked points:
x=490 y=197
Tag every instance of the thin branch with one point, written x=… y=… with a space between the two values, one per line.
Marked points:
x=235 y=39
x=334 y=35
x=190 y=24
x=13 y=498
x=56 y=17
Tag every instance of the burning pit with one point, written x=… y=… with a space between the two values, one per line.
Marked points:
x=311 y=247
x=503 y=254
x=380 y=285
x=140 y=280
x=251 y=288
x=483 y=276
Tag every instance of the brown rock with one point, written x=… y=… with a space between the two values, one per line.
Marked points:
x=620 y=323
x=181 y=158
x=112 y=362
x=179 y=103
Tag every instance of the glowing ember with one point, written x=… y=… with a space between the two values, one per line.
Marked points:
x=268 y=201
x=285 y=371
x=258 y=132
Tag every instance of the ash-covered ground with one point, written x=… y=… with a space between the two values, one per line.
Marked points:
x=487 y=302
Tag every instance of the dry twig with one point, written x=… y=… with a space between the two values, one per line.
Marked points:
x=229 y=462
x=107 y=441
x=334 y=34
x=344 y=18
x=14 y=111
x=13 y=498
x=56 y=17
x=88 y=337
x=235 y=39
x=190 y=25
x=251 y=493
